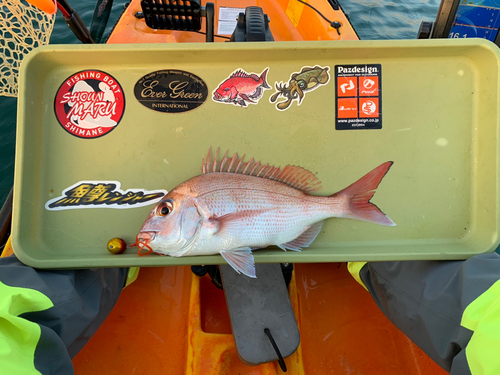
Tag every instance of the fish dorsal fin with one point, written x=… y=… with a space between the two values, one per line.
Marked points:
x=291 y=175
x=242 y=74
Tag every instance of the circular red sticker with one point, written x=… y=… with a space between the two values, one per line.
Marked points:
x=89 y=104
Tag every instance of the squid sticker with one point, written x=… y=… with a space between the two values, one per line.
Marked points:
x=308 y=79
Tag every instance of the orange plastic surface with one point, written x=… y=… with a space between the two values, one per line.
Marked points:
x=310 y=25
x=48 y=6
x=172 y=322
x=7 y=251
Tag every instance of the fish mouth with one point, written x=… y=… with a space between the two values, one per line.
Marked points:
x=142 y=240
x=218 y=97
x=146 y=236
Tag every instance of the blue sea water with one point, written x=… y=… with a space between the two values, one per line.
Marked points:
x=375 y=19
x=385 y=19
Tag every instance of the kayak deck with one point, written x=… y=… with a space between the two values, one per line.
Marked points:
x=171 y=320
x=290 y=21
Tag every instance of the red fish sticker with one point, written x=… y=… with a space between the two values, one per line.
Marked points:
x=242 y=88
x=89 y=104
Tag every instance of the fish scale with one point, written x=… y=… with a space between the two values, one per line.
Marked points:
x=235 y=207
x=283 y=213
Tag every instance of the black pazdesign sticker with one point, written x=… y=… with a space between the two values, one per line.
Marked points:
x=358 y=96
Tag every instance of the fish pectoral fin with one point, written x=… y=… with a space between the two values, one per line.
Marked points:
x=305 y=238
x=234 y=222
x=241 y=260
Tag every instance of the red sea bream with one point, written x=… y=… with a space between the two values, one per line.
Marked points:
x=241 y=88
x=234 y=207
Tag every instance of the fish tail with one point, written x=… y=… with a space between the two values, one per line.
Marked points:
x=360 y=193
x=263 y=78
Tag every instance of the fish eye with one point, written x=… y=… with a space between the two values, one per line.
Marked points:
x=165 y=208
x=226 y=89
